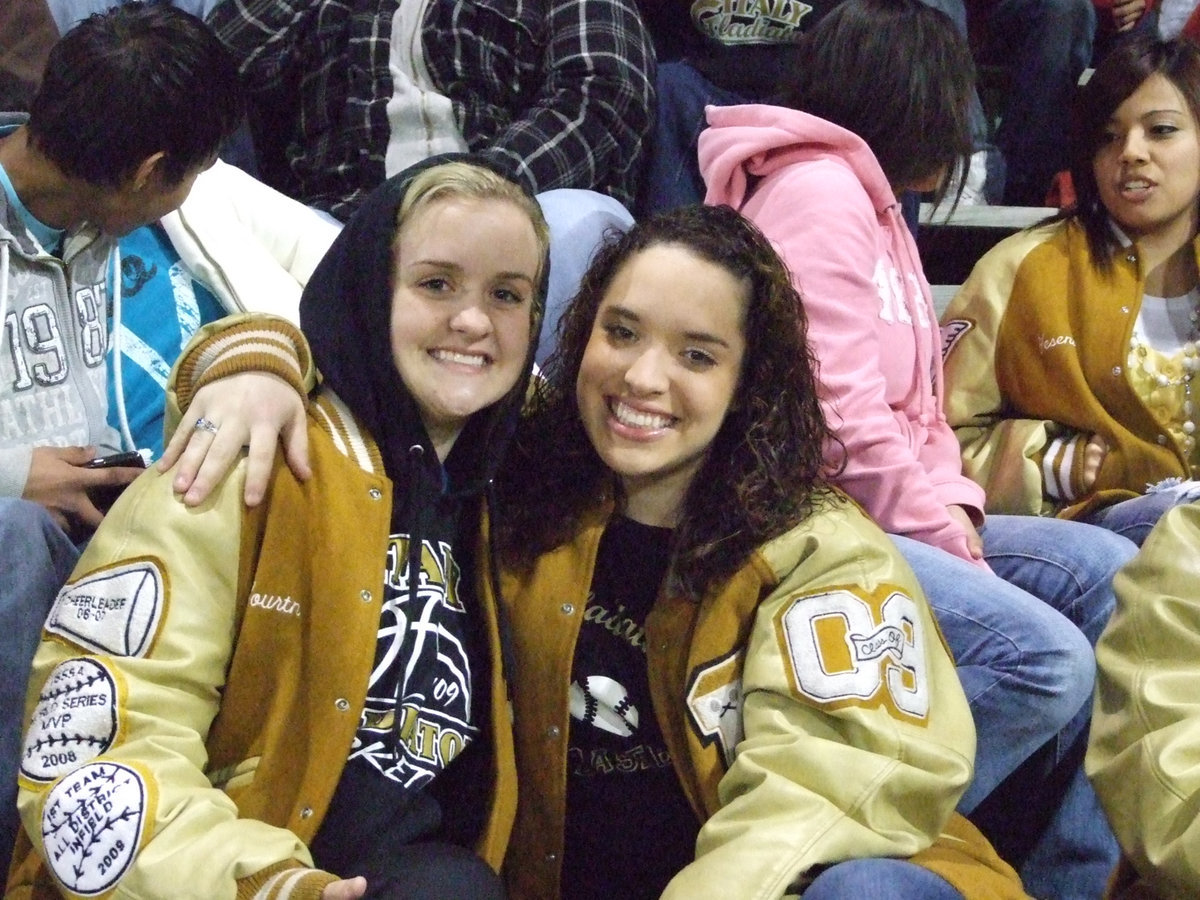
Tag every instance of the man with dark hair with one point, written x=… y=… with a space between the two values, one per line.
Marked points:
x=133 y=106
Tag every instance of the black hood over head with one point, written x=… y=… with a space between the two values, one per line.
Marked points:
x=345 y=312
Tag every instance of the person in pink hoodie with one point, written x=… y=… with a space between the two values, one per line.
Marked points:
x=880 y=107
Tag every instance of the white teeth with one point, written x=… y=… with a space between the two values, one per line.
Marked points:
x=467 y=359
x=1135 y=185
x=627 y=415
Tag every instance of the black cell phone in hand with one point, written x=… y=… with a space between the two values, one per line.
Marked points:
x=127 y=459
x=105 y=495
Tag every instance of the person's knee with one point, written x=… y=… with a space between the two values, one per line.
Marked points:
x=872 y=879
x=21 y=517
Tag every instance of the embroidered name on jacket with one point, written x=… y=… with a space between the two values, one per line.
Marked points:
x=274 y=603
x=1058 y=340
x=850 y=648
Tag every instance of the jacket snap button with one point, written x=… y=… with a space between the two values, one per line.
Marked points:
x=1162 y=438
x=551 y=857
x=342 y=704
x=375 y=493
x=553 y=731
x=306 y=813
x=366 y=596
x=568 y=609
x=1116 y=370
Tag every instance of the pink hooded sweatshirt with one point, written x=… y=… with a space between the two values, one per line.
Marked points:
x=817 y=192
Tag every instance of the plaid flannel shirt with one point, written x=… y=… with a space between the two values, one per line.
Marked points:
x=560 y=92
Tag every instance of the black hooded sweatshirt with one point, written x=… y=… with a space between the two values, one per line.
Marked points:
x=399 y=785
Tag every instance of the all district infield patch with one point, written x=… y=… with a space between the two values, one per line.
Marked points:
x=76 y=719
x=848 y=647
x=92 y=825
x=116 y=610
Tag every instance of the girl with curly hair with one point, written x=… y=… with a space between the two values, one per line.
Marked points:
x=879 y=107
x=726 y=679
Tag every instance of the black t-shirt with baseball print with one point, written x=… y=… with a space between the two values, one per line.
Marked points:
x=629 y=827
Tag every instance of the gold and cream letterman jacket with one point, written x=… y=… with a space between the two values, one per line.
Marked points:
x=855 y=739
x=1146 y=722
x=200 y=681
x=1035 y=346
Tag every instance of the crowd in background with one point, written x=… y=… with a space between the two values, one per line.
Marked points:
x=767 y=583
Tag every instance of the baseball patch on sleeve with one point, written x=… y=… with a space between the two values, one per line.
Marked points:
x=116 y=610
x=952 y=333
x=851 y=648
x=76 y=719
x=714 y=701
x=92 y=826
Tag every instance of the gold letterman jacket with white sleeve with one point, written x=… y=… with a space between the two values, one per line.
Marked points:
x=200 y=682
x=1036 y=347
x=1146 y=722
x=855 y=739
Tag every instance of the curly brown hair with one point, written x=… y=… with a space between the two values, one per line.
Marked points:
x=765 y=461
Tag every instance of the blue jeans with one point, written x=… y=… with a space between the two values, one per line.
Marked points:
x=579 y=221
x=879 y=879
x=1044 y=45
x=36 y=557
x=1135 y=517
x=1023 y=645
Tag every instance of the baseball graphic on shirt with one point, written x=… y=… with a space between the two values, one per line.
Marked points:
x=602 y=702
x=92 y=826
x=75 y=719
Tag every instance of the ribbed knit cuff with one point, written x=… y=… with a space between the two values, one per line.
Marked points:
x=269 y=345
x=1062 y=468
x=286 y=881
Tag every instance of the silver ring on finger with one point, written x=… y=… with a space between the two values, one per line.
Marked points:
x=203 y=424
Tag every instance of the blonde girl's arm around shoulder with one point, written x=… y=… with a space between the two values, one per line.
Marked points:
x=1024 y=464
x=857 y=740
x=1146 y=719
x=248 y=376
x=126 y=683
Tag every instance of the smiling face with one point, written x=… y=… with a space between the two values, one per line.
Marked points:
x=659 y=373
x=1148 y=166
x=462 y=303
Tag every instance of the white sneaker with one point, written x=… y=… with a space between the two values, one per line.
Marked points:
x=972 y=192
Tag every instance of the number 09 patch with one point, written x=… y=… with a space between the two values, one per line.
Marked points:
x=847 y=648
